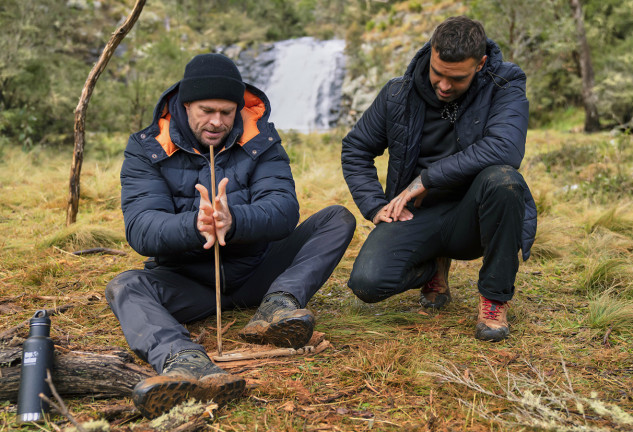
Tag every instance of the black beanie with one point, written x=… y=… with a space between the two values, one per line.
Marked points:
x=212 y=76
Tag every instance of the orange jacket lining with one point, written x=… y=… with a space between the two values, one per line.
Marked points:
x=254 y=109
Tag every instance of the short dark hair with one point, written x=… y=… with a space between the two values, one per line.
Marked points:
x=459 y=38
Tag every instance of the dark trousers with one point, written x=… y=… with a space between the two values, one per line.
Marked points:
x=487 y=221
x=152 y=303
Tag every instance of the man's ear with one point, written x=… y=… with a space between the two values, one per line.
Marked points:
x=482 y=63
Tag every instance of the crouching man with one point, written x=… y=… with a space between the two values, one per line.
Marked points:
x=455 y=126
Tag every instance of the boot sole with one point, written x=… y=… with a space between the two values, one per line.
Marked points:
x=293 y=332
x=485 y=333
x=157 y=395
x=441 y=300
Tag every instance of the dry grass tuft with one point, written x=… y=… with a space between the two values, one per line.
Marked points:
x=606 y=274
x=614 y=220
x=552 y=239
x=80 y=236
x=609 y=311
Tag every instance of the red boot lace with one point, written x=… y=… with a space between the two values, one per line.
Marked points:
x=492 y=308
x=434 y=284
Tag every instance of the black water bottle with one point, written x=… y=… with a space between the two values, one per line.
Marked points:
x=37 y=357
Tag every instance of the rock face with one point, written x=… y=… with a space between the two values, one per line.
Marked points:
x=357 y=95
x=256 y=63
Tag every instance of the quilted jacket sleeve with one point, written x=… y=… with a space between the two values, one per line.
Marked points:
x=366 y=141
x=152 y=226
x=273 y=211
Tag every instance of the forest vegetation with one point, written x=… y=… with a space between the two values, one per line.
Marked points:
x=391 y=366
x=44 y=61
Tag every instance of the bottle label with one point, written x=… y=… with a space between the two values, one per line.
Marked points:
x=30 y=358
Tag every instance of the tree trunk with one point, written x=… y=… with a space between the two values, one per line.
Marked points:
x=78 y=374
x=592 y=119
x=82 y=106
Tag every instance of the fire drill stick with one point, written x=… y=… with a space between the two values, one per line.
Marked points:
x=216 y=250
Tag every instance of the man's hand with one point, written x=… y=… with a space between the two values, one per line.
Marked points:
x=383 y=215
x=214 y=222
x=397 y=210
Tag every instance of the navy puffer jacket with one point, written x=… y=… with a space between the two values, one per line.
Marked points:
x=491 y=129
x=160 y=203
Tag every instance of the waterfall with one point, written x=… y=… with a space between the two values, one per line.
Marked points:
x=304 y=87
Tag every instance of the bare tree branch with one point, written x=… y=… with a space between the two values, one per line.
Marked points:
x=82 y=106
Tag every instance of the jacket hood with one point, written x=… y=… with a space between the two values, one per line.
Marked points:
x=252 y=120
x=162 y=101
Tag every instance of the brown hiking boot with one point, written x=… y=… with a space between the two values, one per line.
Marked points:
x=492 y=323
x=279 y=321
x=435 y=293
x=188 y=374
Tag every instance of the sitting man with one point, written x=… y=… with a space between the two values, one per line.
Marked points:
x=266 y=259
x=455 y=127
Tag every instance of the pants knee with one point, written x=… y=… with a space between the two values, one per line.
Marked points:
x=364 y=286
x=504 y=183
x=343 y=217
x=338 y=219
x=120 y=286
x=113 y=289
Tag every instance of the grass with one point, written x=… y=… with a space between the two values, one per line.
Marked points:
x=391 y=366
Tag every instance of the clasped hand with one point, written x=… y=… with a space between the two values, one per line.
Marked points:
x=396 y=210
x=214 y=221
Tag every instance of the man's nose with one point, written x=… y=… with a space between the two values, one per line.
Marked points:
x=215 y=119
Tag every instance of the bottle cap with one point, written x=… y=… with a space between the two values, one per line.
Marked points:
x=41 y=318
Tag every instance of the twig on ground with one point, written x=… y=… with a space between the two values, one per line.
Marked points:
x=100 y=250
x=227 y=327
x=60 y=406
x=224 y=328
x=66 y=252
x=605 y=341
x=369 y=386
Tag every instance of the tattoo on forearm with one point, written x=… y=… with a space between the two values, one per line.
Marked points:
x=415 y=184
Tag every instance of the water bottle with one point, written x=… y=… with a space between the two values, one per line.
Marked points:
x=37 y=357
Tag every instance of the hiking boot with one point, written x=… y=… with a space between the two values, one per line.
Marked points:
x=188 y=374
x=279 y=321
x=492 y=324
x=435 y=293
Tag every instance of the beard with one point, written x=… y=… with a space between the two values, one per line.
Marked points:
x=214 y=137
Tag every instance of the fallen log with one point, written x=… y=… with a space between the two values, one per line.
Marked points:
x=77 y=374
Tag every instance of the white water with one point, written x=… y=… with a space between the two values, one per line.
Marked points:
x=304 y=88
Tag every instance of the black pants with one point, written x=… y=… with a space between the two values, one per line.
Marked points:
x=152 y=303
x=487 y=221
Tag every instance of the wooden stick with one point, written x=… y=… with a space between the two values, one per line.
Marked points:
x=216 y=255
x=277 y=352
x=60 y=405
